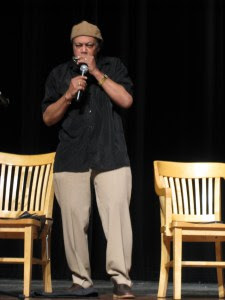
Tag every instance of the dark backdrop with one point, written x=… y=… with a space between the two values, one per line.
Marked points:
x=174 y=51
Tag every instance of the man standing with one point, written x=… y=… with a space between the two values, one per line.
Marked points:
x=86 y=96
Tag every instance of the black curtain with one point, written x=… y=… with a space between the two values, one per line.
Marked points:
x=174 y=50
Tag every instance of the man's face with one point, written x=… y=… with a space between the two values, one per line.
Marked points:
x=85 y=45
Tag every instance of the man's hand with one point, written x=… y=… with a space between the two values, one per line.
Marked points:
x=76 y=84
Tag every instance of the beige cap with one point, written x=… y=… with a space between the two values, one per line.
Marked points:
x=85 y=28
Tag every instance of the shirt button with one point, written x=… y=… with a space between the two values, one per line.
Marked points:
x=90 y=111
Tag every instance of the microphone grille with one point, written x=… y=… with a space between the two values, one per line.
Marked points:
x=83 y=68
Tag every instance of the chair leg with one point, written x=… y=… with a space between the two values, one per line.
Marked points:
x=219 y=270
x=46 y=266
x=164 y=269
x=28 y=255
x=177 y=259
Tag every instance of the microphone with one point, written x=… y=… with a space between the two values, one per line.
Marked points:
x=83 y=70
x=3 y=100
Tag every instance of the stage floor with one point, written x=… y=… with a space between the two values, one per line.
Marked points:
x=143 y=290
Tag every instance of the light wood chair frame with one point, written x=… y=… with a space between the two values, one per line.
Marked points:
x=26 y=185
x=190 y=211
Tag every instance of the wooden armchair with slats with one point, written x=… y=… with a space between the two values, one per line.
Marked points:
x=190 y=211
x=26 y=187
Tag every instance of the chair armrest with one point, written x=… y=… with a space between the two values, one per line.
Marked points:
x=165 y=198
x=160 y=189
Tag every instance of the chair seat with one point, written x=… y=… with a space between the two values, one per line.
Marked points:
x=195 y=226
x=200 y=232
x=19 y=222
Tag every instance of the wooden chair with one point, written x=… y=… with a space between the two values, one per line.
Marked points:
x=190 y=211
x=26 y=186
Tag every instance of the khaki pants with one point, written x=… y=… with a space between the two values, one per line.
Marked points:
x=113 y=192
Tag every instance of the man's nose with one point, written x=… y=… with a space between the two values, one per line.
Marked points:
x=84 y=48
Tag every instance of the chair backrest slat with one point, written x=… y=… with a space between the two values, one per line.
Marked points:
x=204 y=204
x=197 y=197
x=210 y=195
x=174 y=197
x=21 y=189
x=2 y=185
x=191 y=196
x=45 y=182
x=27 y=190
x=179 y=195
x=217 y=195
x=14 y=188
x=38 y=198
x=7 y=191
x=185 y=196
x=33 y=188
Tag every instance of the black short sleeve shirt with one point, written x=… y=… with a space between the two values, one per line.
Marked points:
x=91 y=134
